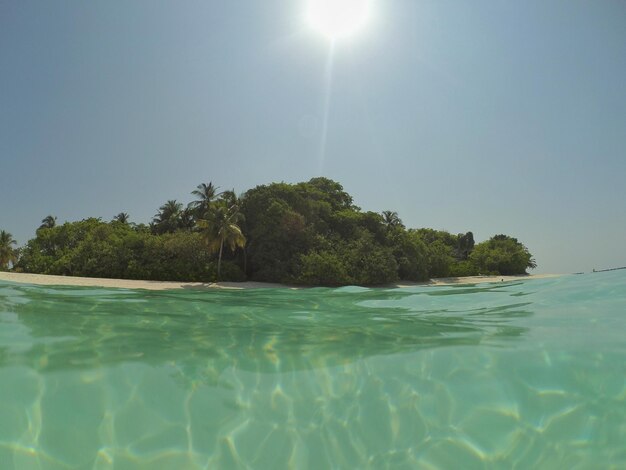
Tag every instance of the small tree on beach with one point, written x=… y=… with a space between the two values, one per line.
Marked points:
x=220 y=227
x=8 y=254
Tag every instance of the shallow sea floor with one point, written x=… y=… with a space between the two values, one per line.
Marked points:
x=527 y=375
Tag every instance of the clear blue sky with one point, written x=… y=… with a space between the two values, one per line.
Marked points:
x=490 y=116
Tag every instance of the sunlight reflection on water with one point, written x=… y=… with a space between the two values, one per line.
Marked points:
x=528 y=374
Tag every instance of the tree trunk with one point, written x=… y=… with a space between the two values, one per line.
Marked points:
x=219 y=260
x=245 y=261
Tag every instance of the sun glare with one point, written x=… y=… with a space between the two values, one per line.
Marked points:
x=338 y=18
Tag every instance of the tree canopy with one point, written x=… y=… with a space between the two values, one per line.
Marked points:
x=502 y=254
x=219 y=228
x=8 y=253
x=308 y=233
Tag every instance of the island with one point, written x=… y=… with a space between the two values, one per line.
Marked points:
x=304 y=234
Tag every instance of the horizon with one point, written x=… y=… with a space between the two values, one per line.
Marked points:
x=476 y=117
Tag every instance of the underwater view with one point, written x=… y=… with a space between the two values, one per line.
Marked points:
x=527 y=374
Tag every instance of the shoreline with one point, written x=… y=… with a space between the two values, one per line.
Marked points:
x=50 y=280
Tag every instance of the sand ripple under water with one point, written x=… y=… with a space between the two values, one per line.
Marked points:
x=521 y=374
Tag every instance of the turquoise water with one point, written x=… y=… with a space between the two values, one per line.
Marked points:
x=527 y=375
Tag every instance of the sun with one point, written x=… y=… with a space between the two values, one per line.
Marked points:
x=338 y=18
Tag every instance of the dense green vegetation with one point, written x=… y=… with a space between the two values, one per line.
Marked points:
x=8 y=253
x=307 y=233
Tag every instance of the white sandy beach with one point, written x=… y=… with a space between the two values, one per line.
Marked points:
x=45 y=280
x=447 y=281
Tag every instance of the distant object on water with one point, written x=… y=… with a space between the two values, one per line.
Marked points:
x=610 y=269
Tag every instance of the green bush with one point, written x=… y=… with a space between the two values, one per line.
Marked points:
x=322 y=269
x=230 y=271
x=503 y=255
x=440 y=259
x=411 y=254
x=463 y=268
x=367 y=262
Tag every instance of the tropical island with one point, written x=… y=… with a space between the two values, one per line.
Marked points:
x=308 y=233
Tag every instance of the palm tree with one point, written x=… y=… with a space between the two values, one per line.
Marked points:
x=219 y=228
x=122 y=217
x=168 y=217
x=205 y=194
x=8 y=254
x=231 y=199
x=234 y=203
x=391 y=220
x=48 y=222
x=187 y=218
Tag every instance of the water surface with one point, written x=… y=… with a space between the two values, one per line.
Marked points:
x=526 y=374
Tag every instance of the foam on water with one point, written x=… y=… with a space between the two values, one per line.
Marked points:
x=510 y=375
